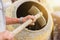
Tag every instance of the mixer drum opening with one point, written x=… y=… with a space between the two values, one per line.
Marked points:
x=22 y=11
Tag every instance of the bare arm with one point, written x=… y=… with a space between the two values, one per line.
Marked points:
x=17 y=20
x=12 y=20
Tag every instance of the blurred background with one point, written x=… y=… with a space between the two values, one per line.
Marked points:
x=54 y=9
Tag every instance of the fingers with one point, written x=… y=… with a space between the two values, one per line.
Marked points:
x=24 y=19
x=8 y=35
x=30 y=17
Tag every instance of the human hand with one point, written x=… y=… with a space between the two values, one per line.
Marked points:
x=6 y=35
x=24 y=19
x=19 y=20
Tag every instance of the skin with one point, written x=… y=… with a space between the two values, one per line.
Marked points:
x=6 y=35
x=17 y=20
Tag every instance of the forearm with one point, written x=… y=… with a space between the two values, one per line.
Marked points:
x=19 y=20
x=12 y=20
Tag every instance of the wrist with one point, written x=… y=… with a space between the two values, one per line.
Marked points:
x=21 y=20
